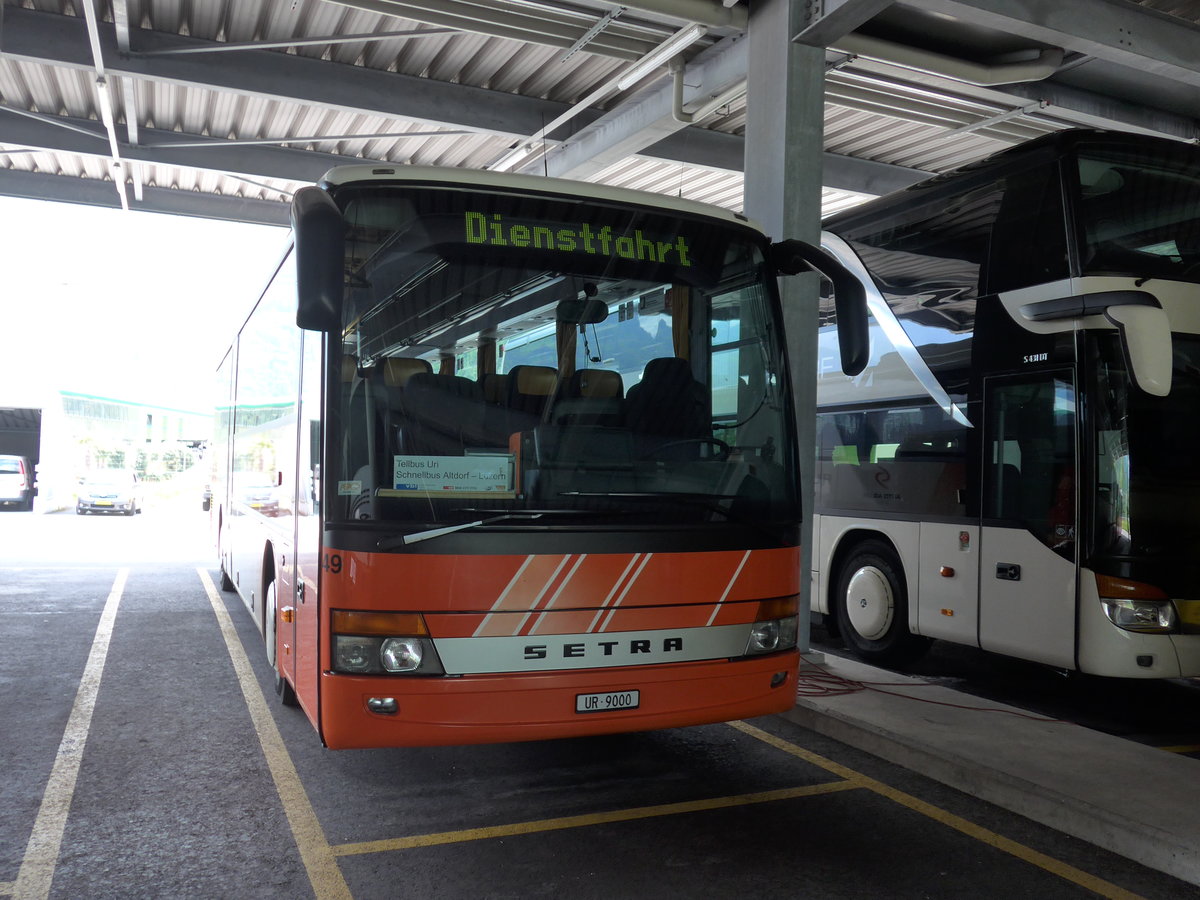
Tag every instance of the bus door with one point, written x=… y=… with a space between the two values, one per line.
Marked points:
x=302 y=659
x=1027 y=571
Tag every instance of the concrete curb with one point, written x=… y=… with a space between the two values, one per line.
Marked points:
x=1128 y=798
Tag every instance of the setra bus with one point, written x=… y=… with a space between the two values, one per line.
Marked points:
x=1015 y=468
x=505 y=458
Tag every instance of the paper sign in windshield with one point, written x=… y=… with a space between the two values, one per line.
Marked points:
x=472 y=474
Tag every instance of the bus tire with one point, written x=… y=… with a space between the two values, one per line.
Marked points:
x=226 y=582
x=872 y=606
x=287 y=693
x=283 y=687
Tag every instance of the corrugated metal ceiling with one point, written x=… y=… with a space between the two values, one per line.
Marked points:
x=189 y=123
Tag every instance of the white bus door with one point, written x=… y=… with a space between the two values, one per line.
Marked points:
x=1027 y=571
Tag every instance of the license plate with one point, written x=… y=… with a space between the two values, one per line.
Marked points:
x=104 y=503
x=611 y=701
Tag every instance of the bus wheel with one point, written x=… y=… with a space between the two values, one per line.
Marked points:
x=226 y=582
x=872 y=606
x=287 y=694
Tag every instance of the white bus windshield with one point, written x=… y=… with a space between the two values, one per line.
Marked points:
x=506 y=353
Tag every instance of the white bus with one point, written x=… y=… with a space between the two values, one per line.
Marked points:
x=1016 y=467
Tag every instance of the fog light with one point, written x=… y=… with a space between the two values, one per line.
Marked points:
x=385 y=705
x=354 y=654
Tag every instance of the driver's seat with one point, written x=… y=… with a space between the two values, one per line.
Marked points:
x=668 y=403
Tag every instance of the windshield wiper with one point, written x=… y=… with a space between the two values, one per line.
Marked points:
x=389 y=543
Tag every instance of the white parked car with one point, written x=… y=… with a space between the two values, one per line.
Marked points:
x=109 y=491
x=16 y=482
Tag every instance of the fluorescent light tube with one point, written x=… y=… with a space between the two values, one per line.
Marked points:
x=660 y=55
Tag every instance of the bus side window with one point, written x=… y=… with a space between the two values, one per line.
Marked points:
x=1029 y=240
x=1030 y=476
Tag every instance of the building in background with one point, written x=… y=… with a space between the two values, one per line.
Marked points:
x=67 y=434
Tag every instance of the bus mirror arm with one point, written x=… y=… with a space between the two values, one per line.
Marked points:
x=318 y=231
x=792 y=257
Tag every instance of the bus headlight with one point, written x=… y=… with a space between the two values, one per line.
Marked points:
x=402 y=654
x=1136 y=606
x=376 y=643
x=776 y=626
x=1152 y=616
x=772 y=636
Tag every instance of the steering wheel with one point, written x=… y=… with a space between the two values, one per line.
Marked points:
x=722 y=454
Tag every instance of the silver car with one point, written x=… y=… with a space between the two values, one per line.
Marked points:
x=109 y=491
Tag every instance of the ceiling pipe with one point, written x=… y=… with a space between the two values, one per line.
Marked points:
x=1042 y=66
x=683 y=117
x=663 y=54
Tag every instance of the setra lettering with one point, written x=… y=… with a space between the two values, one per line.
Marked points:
x=580 y=650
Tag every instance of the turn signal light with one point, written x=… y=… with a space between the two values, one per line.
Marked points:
x=1124 y=588
x=778 y=607
x=352 y=621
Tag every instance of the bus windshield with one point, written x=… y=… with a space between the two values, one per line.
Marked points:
x=518 y=358
x=1148 y=485
x=1139 y=210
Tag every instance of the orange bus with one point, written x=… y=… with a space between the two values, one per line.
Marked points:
x=505 y=458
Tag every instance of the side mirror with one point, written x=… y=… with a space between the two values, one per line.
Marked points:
x=792 y=257
x=318 y=231
x=1146 y=342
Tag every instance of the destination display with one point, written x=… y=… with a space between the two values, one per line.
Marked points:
x=498 y=230
x=476 y=473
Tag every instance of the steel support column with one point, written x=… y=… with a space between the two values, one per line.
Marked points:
x=784 y=150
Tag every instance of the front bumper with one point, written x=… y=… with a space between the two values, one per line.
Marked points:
x=480 y=709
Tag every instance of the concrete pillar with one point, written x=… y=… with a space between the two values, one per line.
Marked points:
x=784 y=147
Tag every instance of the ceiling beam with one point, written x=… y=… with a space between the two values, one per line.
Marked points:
x=56 y=40
x=83 y=137
x=847 y=173
x=645 y=126
x=1112 y=30
x=49 y=39
x=828 y=20
x=646 y=118
x=513 y=21
x=96 y=192
x=71 y=136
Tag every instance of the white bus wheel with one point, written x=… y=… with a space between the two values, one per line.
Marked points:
x=872 y=606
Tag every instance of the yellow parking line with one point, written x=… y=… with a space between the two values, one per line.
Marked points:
x=6 y=888
x=1026 y=854
x=41 y=853
x=590 y=819
x=1182 y=748
x=323 y=872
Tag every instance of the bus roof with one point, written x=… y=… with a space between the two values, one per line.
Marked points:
x=1048 y=146
x=484 y=179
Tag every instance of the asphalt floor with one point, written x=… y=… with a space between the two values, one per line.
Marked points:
x=145 y=755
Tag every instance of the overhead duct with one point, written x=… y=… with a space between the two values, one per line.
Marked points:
x=1043 y=63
